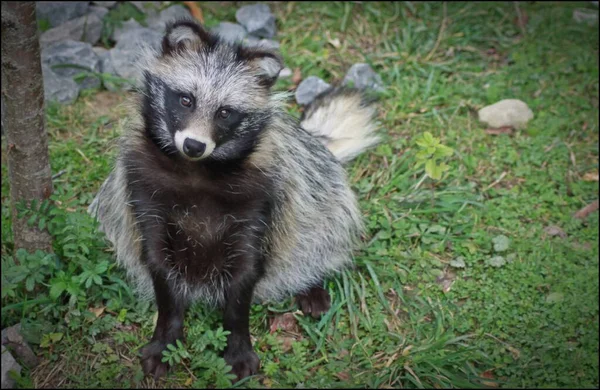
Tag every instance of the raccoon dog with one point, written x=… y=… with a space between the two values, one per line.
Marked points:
x=219 y=195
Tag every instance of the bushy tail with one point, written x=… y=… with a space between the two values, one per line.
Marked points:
x=343 y=120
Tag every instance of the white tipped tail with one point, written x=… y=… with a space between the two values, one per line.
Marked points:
x=343 y=121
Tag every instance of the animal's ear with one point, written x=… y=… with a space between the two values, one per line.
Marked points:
x=266 y=65
x=185 y=34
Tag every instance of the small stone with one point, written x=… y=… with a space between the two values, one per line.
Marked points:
x=79 y=54
x=87 y=28
x=501 y=243
x=496 y=261
x=254 y=42
x=59 y=12
x=362 y=76
x=309 y=89
x=230 y=32
x=258 y=20
x=459 y=262
x=285 y=73
x=8 y=363
x=508 y=112
x=585 y=16
x=58 y=88
x=12 y=338
x=159 y=21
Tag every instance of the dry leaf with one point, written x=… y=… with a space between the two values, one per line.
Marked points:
x=188 y=381
x=97 y=310
x=488 y=375
x=590 y=176
x=195 y=10
x=297 y=76
x=500 y=130
x=555 y=231
x=286 y=322
x=587 y=210
x=343 y=376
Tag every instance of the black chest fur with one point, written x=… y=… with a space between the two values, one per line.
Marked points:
x=201 y=223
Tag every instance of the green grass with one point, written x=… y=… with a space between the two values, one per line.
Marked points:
x=426 y=305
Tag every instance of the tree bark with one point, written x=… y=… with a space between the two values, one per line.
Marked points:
x=24 y=122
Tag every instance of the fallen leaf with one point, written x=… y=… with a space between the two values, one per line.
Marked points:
x=488 y=375
x=555 y=231
x=286 y=322
x=591 y=176
x=297 y=76
x=500 y=130
x=195 y=10
x=335 y=43
x=587 y=210
x=343 y=376
x=97 y=310
x=188 y=381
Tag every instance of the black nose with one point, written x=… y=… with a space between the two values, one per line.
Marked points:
x=193 y=148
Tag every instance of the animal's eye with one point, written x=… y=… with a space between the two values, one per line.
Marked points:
x=223 y=113
x=185 y=101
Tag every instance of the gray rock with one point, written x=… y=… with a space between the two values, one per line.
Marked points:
x=159 y=21
x=285 y=73
x=8 y=363
x=106 y=66
x=98 y=11
x=59 y=12
x=134 y=39
x=131 y=24
x=362 y=77
x=105 y=4
x=75 y=53
x=230 y=32
x=508 y=112
x=258 y=20
x=585 y=16
x=12 y=338
x=87 y=28
x=309 y=88
x=59 y=88
x=264 y=43
x=123 y=58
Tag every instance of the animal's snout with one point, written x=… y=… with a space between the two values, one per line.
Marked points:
x=193 y=148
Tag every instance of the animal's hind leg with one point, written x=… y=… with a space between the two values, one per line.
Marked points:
x=315 y=301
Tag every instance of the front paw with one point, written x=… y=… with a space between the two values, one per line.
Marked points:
x=244 y=363
x=151 y=359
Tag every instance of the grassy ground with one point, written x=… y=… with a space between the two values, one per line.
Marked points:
x=430 y=303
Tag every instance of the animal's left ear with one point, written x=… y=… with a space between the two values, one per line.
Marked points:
x=266 y=65
x=185 y=34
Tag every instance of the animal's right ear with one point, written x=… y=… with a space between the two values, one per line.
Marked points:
x=185 y=34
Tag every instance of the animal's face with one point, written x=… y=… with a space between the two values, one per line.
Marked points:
x=206 y=99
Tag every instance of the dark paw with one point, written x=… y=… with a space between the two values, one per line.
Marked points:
x=151 y=359
x=243 y=363
x=315 y=302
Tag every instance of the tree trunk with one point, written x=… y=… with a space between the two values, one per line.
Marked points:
x=24 y=122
